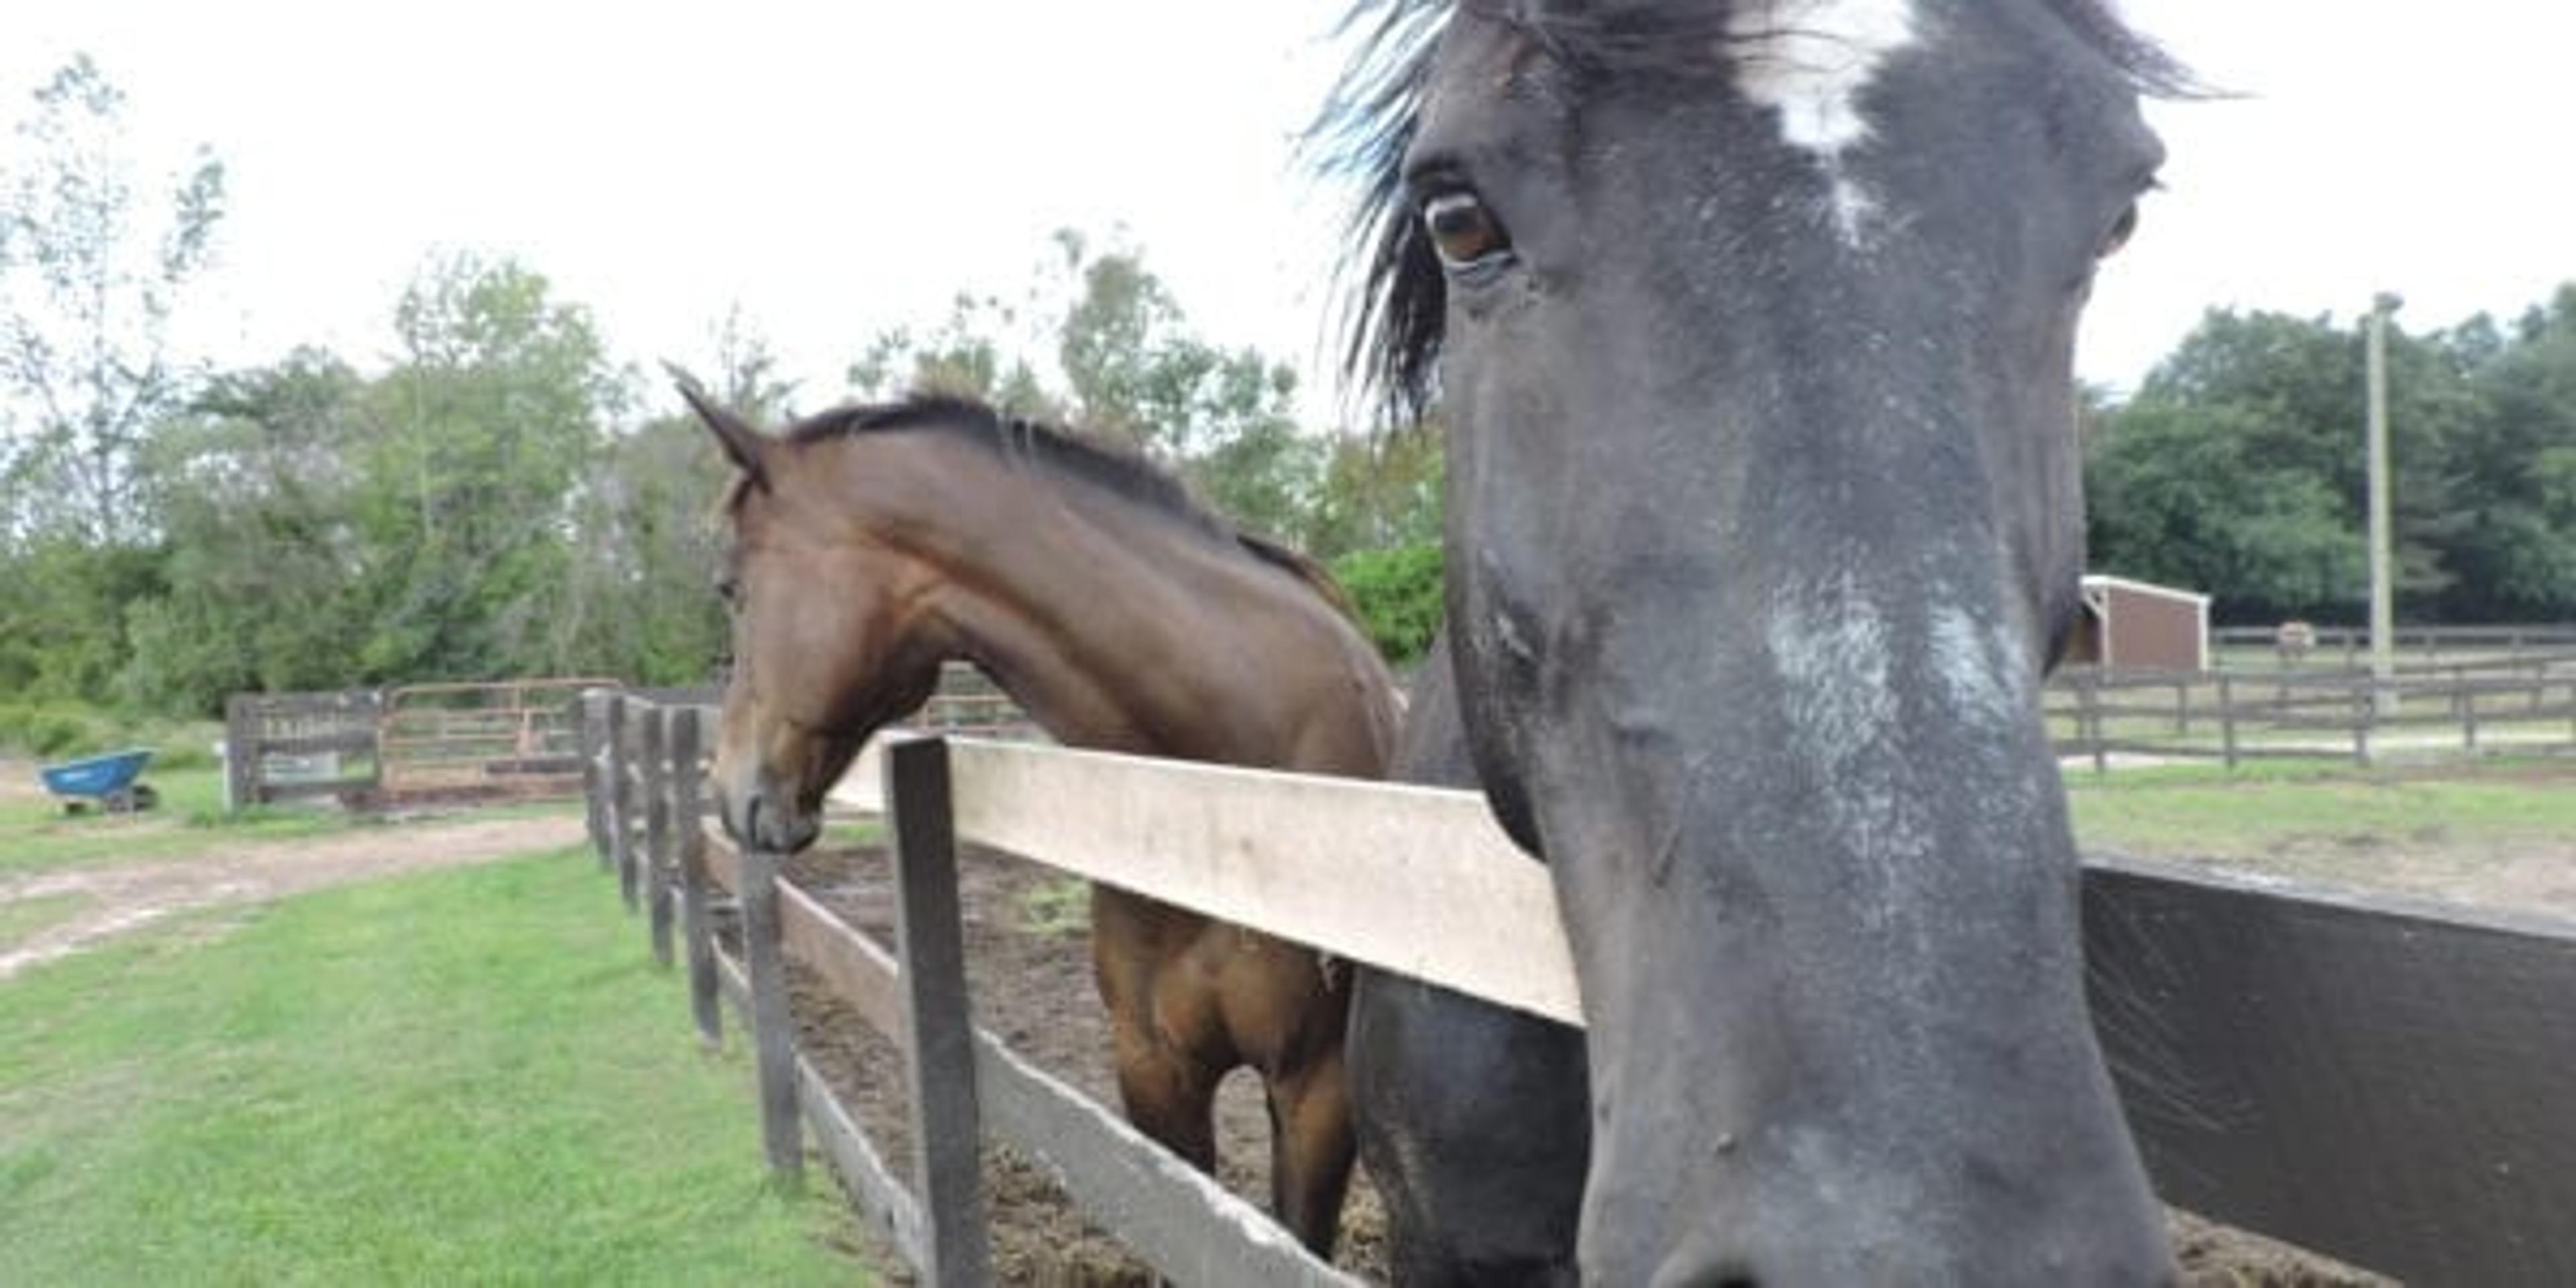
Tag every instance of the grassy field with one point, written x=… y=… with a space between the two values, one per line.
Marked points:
x=471 y=1076
x=36 y=834
x=2205 y=811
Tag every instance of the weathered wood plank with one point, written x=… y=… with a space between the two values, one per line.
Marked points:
x=657 y=861
x=855 y=967
x=2379 y=1079
x=357 y=743
x=1181 y=1222
x=871 y=1185
x=1284 y=852
x=773 y=1029
x=594 y=720
x=938 y=1042
x=734 y=985
x=724 y=863
x=697 y=922
x=621 y=799
x=2388 y=1082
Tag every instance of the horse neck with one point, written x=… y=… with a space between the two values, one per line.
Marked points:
x=1119 y=629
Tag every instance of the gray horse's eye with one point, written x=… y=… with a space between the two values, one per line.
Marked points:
x=1464 y=232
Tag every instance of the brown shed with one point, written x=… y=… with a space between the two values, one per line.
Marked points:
x=2134 y=624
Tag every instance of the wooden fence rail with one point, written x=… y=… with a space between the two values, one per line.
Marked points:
x=2523 y=704
x=2379 y=1079
x=2352 y=643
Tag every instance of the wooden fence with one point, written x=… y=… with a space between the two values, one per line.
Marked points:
x=2382 y=1080
x=296 y=746
x=2348 y=647
x=2519 y=703
x=506 y=739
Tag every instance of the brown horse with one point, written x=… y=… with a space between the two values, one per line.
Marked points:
x=873 y=543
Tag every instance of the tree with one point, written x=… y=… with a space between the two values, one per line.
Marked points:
x=2188 y=497
x=640 y=600
x=1379 y=491
x=2515 y=471
x=482 y=432
x=1133 y=371
x=2279 y=401
x=88 y=293
x=262 y=562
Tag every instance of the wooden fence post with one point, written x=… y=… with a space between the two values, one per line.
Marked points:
x=2182 y=705
x=2365 y=710
x=2227 y=718
x=773 y=1031
x=697 y=925
x=613 y=798
x=593 y=706
x=2465 y=700
x=2089 y=719
x=939 y=1049
x=241 y=752
x=656 y=863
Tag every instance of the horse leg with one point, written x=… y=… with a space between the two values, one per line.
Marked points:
x=1170 y=1098
x=1159 y=1036
x=1312 y=1148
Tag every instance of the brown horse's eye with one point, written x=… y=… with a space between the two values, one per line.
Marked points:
x=2121 y=229
x=1464 y=232
x=726 y=589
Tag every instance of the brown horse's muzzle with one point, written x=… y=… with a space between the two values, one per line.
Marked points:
x=760 y=816
x=764 y=803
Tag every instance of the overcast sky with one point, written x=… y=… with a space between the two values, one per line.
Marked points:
x=839 y=168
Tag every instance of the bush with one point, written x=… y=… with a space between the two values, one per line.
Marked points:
x=1399 y=595
x=53 y=731
x=61 y=731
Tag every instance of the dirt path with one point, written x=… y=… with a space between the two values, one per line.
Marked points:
x=119 y=899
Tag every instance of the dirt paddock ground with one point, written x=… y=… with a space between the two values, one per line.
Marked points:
x=1031 y=983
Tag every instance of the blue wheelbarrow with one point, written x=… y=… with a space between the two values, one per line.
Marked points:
x=108 y=781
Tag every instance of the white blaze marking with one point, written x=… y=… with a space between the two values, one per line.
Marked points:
x=1836 y=669
x=1811 y=60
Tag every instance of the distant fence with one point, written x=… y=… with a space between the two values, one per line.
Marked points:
x=515 y=738
x=2378 y=1079
x=508 y=739
x=2521 y=703
x=2349 y=646
x=300 y=746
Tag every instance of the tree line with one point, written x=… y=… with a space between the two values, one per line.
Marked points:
x=501 y=497
x=2238 y=469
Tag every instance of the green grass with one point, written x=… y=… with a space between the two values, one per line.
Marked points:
x=36 y=834
x=2206 y=811
x=470 y=1076
x=1061 y=907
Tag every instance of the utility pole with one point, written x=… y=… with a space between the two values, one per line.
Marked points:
x=2383 y=611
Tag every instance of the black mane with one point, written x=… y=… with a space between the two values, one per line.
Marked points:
x=1060 y=451
x=1367 y=126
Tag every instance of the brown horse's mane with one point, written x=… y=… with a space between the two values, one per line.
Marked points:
x=1110 y=466
x=1308 y=570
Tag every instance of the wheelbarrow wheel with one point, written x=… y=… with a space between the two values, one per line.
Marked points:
x=145 y=796
x=121 y=801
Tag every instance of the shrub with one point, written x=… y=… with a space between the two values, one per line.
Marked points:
x=1398 y=592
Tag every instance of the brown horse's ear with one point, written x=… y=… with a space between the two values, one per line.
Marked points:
x=744 y=444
